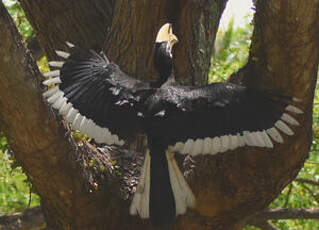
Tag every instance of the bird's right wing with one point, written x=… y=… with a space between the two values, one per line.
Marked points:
x=221 y=117
x=95 y=96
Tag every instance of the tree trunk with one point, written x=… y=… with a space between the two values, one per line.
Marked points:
x=79 y=186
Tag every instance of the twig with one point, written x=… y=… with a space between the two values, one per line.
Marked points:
x=288 y=195
x=313 y=162
x=30 y=195
x=265 y=225
x=312 y=182
x=310 y=191
x=285 y=213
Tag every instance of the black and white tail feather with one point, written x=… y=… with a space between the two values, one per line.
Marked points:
x=101 y=101
x=70 y=92
x=183 y=195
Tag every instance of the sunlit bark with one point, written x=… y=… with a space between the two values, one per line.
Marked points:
x=229 y=187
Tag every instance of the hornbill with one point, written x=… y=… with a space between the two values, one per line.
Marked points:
x=106 y=104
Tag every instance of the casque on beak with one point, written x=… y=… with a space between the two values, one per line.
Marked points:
x=165 y=34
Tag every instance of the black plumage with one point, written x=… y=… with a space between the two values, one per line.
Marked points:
x=102 y=92
x=98 y=99
x=163 y=62
x=162 y=205
x=227 y=109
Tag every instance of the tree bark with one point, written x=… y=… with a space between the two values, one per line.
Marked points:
x=29 y=219
x=38 y=141
x=76 y=193
x=195 y=23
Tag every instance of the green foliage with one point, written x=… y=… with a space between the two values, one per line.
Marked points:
x=302 y=195
x=18 y=16
x=230 y=51
x=43 y=64
x=3 y=142
x=230 y=54
x=14 y=187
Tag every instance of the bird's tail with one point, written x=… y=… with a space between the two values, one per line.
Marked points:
x=162 y=192
x=183 y=194
x=140 y=202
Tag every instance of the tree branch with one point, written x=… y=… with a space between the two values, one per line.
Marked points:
x=313 y=162
x=29 y=219
x=284 y=53
x=33 y=219
x=36 y=138
x=312 y=193
x=264 y=225
x=261 y=220
x=21 y=103
x=288 y=195
x=285 y=213
x=307 y=181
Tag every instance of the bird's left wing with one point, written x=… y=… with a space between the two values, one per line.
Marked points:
x=220 y=117
x=95 y=96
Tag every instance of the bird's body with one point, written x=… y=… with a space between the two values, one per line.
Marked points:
x=98 y=99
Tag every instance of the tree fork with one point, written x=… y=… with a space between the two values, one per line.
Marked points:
x=41 y=145
x=284 y=55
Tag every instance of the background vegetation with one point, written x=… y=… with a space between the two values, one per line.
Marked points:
x=231 y=51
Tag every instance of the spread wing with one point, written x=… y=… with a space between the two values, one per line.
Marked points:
x=219 y=117
x=95 y=96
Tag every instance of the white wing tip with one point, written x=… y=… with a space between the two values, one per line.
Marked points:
x=50 y=91
x=289 y=119
x=294 y=109
x=275 y=135
x=53 y=73
x=62 y=54
x=284 y=128
x=121 y=142
x=58 y=64
x=52 y=81
x=69 y=44
x=296 y=99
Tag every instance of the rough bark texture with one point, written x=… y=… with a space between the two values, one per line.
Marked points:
x=85 y=23
x=76 y=193
x=29 y=219
x=131 y=39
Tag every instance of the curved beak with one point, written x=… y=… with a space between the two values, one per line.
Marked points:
x=165 y=34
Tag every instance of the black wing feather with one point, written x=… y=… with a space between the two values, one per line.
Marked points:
x=100 y=91
x=216 y=110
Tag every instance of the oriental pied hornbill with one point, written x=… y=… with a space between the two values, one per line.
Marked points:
x=101 y=101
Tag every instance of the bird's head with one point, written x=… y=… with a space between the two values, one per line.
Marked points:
x=165 y=36
x=164 y=43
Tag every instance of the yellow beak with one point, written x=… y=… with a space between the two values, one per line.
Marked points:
x=166 y=34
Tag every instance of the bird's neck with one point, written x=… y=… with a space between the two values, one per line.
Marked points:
x=163 y=63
